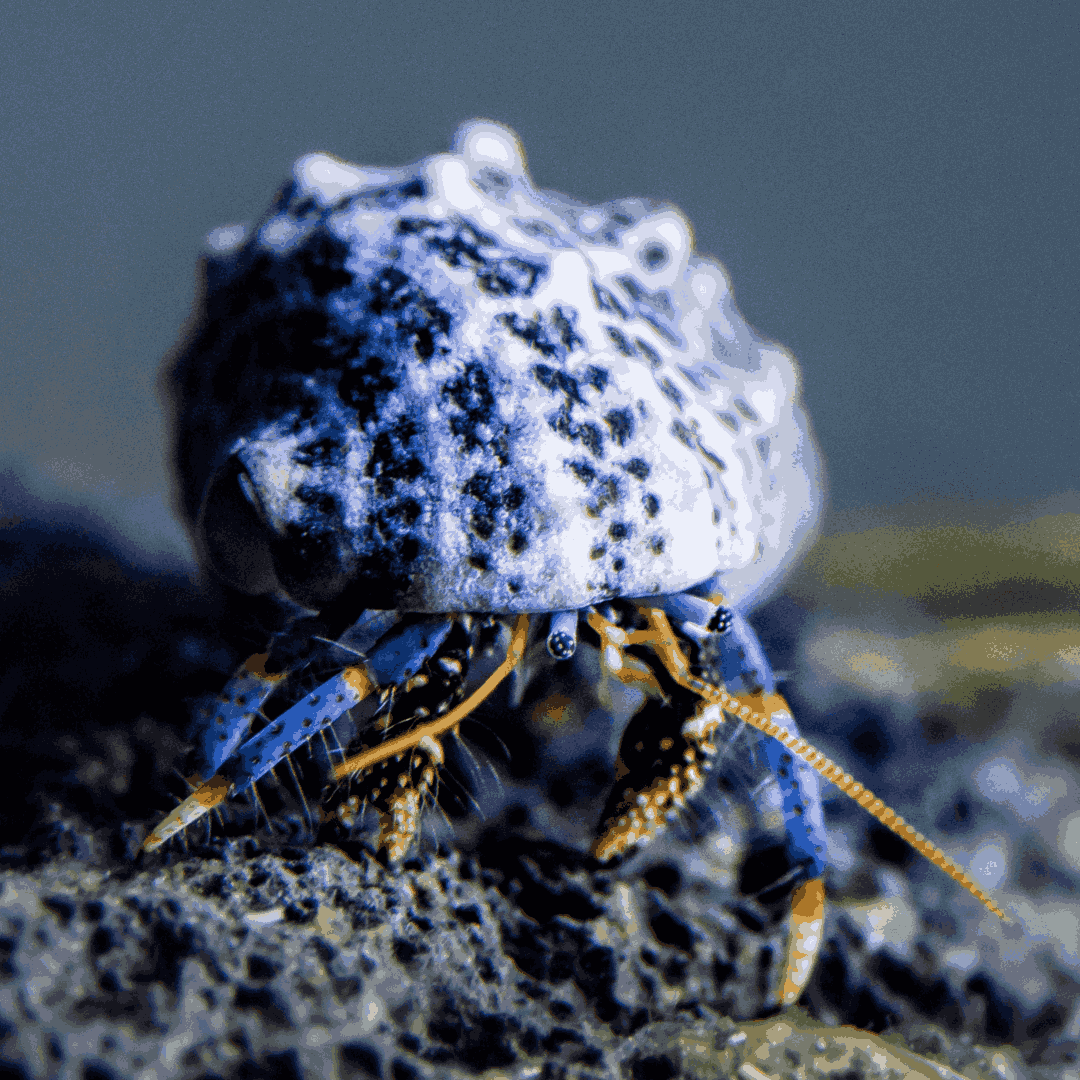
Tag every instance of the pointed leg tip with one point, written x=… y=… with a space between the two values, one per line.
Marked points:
x=807 y=922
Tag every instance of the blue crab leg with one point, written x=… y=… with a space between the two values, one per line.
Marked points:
x=233 y=712
x=246 y=692
x=808 y=902
x=392 y=662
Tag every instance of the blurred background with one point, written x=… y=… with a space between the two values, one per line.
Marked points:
x=892 y=189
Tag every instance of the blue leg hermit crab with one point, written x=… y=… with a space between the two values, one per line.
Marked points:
x=443 y=412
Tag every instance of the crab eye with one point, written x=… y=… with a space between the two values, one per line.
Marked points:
x=233 y=531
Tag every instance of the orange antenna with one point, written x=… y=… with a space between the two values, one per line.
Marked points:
x=662 y=639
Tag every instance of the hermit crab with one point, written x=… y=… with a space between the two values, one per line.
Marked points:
x=441 y=412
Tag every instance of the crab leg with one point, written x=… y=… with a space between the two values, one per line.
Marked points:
x=808 y=901
x=392 y=747
x=233 y=712
x=394 y=660
x=246 y=692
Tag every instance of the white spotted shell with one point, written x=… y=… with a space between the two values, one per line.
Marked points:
x=439 y=388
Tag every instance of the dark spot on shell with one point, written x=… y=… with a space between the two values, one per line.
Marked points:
x=531 y=331
x=605 y=300
x=683 y=434
x=656 y=545
x=558 y=382
x=389 y=196
x=618 y=339
x=389 y=461
x=597 y=378
x=621 y=423
x=582 y=470
x=482 y=523
x=534 y=227
x=417 y=317
x=517 y=543
x=493 y=181
x=408 y=511
x=509 y=277
x=563 y=321
x=638 y=468
x=362 y=388
x=562 y=423
x=671 y=391
x=653 y=256
x=513 y=497
x=479 y=487
x=618 y=530
x=593 y=439
x=746 y=411
x=321 y=502
x=651 y=504
x=606 y=494
x=514 y=586
x=711 y=458
x=617 y=565
x=321 y=452
x=478 y=562
x=648 y=352
x=459 y=243
x=597 y=551
x=478 y=423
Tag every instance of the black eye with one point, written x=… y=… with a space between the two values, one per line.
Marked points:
x=233 y=532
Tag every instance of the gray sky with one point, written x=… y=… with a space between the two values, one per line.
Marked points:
x=892 y=188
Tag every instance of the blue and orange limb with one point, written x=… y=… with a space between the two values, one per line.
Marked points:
x=394 y=659
x=770 y=715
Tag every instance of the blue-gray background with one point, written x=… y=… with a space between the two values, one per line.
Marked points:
x=891 y=186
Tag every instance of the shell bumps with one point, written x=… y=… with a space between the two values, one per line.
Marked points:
x=448 y=390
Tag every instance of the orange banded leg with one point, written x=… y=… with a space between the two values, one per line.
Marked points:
x=808 y=901
x=313 y=712
x=434 y=729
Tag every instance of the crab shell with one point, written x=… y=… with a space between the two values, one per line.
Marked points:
x=439 y=388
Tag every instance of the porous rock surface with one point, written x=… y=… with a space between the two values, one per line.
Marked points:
x=259 y=956
x=241 y=961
